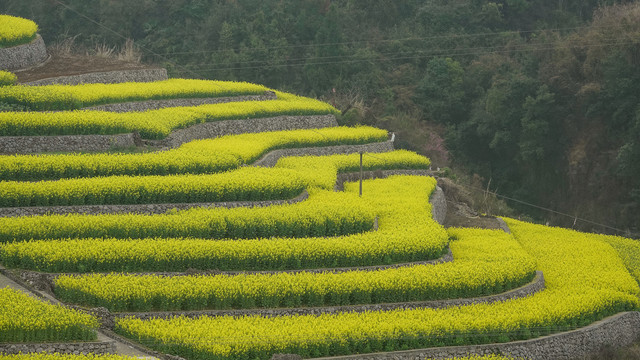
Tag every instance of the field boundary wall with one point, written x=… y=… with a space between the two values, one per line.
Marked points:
x=23 y=56
x=106 y=77
x=271 y=158
x=216 y=129
x=10 y=145
x=94 y=347
x=140 y=208
x=145 y=105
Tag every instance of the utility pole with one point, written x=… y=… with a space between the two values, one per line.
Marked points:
x=360 y=173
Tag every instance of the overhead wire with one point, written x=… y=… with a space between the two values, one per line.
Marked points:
x=375 y=41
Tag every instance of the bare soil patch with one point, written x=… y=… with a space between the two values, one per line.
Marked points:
x=71 y=64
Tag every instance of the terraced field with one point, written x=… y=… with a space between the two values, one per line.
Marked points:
x=266 y=257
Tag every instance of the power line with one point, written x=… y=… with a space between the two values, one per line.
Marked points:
x=551 y=210
x=451 y=54
x=430 y=52
x=416 y=38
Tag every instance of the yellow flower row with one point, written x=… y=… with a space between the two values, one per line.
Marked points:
x=46 y=356
x=154 y=124
x=585 y=281
x=200 y=156
x=629 y=252
x=7 y=78
x=244 y=184
x=25 y=319
x=285 y=181
x=486 y=262
x=405 y=234
x=326 y=215
x=321 y=171
x=70 y=97
x=16 y=31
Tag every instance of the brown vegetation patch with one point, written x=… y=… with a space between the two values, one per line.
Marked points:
x=71 y=64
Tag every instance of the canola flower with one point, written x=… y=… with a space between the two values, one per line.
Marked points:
x=16 y=31
x=589 y=287
x=195 y=157
x=405 y=234
x=326 y=214
x=486 y=262
x=629 y=252
x=73 y=97
x=244 y=184
x=25 y=319
x=153 y=124
x=7 y=78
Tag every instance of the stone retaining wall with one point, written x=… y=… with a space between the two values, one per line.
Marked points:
x=100 y=143
x=160 y=104
x=107 y=77
x=140 y=209
x=233 y=127
x=533 y=287
x=23 y=56
x=66 y=143
x=271 y=158
x=97 y=347
x=617 y=331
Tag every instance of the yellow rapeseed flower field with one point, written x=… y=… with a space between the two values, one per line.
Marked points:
x=592 y=285
x=26 y=319
x=16 y=31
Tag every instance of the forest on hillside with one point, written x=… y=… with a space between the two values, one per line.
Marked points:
x=538 y=98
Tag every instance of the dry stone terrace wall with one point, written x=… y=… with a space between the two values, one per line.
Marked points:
x=100 y=143
x=271 y=158
x=617 y=331
x=66 y=143
x=23 y=56
x=141 y=209
x=234 y=127
x=160 y=104
x=107 y=77
x=97 y=347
